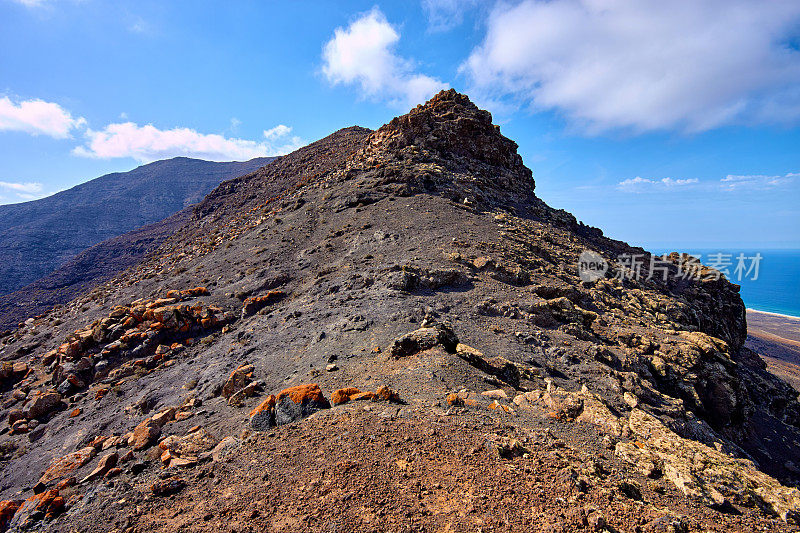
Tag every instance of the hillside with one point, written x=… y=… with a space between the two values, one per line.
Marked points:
x=39 y=236
x=387 y=331
x=86 y=270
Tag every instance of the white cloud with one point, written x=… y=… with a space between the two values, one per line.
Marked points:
x=26 y=187
x=277 y=132
x=148 y=143
x=31 y=3
x=30 y=190
x=37 y=117
x=444 y=15
x=639 y=184
x=363 y=54
x=756 y=181
x=690 y=65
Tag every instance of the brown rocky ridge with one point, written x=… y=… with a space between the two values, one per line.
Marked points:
x=387 y=331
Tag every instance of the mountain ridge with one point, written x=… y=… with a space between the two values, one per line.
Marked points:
x=388 y=330
x=37 y=237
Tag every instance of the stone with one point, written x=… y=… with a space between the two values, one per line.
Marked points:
x=14 y=415
x=238 y=397
x=144 y=435
x=497 y=394
x=508 y=448
x=385 y=393
x=703 y=473
x=8 y=509
x=106 y=463
x=630 y=400
x=455 y=400
x=424 y=339
x=298 y=402
x=238 y=379
x=255 y=304
x=225 y=449
x=331 y=367
x=167 y=415
x=165 y=487
x=68 y=464
x=263 y=416
x=44 y=404
x=183 y=462
x=341 y=396
x=499 y=367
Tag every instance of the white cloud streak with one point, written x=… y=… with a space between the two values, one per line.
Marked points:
x=756 y=181
x=37 y=117
x=30 y=190
x=445 y=15
x=148 y=143
x=688 y=65
x=363 y=54
x=22 y=187
x=639 y=184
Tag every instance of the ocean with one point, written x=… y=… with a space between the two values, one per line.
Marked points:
x=777 y=287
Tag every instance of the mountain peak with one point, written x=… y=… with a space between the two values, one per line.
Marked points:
x=451 y=134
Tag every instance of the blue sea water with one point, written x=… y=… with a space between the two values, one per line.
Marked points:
x=777 y=287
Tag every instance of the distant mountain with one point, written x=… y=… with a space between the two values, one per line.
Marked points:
x=86 y=270
x=38 y=237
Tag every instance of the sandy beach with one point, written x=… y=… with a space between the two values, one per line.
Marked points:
x=776 y=338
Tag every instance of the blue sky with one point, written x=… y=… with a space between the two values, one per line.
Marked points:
x=669 y=125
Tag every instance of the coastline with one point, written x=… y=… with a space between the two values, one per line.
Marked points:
x=776 y=338
x=780 y=315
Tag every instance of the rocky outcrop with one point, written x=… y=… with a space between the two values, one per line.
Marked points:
x=415 y=257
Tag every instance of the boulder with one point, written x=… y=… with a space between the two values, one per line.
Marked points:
x=255 y=304
x=424 y=339
x=341 y=396
x=238 y=379
x=8 y=509
x=144 y=435
x=167 y=415
x=225 y=449
x=263 y=416
x=68 y=464
x=44 y=404
x=165 y=487
x=499 y=367
x=298 y=402
x=106 y=463
x=386 y=394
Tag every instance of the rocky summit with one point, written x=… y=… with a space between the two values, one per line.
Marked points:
x=389 y=331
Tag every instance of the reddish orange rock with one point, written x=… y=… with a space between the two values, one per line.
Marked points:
x=68 y=482
x=341 y=396
x=75 y=412
x=144 y=435
x=8 y=508
x=67 y=464
x=454 y=400
x=254 y=304
x=263 y=416
x=238 y=379
x=385 y=393
x=298 y=402
x=309 y=392
x=362 y=396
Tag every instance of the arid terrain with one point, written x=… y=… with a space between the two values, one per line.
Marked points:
x=776 y=338
x=386 y=331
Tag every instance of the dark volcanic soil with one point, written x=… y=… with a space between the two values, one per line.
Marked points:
x=415 y=257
